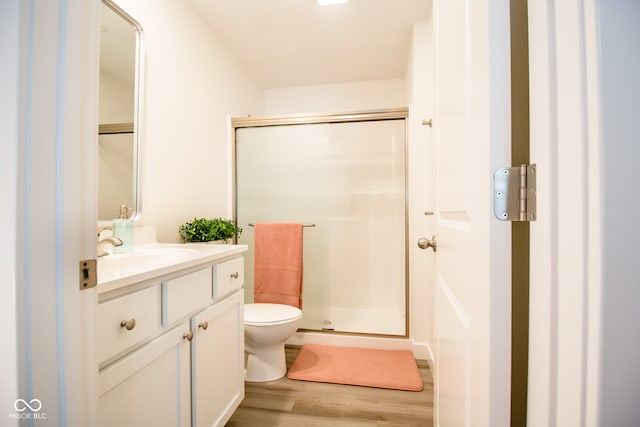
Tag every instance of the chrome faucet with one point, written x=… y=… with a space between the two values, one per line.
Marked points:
x=107 y=240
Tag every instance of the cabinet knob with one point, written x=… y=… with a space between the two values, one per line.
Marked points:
x=235 y=275
x=203 y=325
x=128 y=324
x=188 y=335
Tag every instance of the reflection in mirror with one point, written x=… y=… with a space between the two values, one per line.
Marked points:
x=119 y=112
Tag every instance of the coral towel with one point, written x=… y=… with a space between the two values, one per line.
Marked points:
x=278 y=263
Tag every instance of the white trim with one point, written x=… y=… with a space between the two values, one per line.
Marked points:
x=541 y=394
x=9 y=79
x=61 y=69
x=420 y=350
x=55 y=206
x=566 y=278
x=593 y=206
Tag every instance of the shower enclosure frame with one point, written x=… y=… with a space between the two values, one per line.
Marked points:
x=328 y=118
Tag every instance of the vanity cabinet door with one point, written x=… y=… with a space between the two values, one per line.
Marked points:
x=218 y=361
x=149 y=386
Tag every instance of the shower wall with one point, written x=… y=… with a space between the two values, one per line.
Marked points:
x=346 y=182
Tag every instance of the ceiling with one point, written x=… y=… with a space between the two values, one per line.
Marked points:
x=288 y=43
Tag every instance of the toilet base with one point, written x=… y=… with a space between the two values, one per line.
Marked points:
x=269 y=365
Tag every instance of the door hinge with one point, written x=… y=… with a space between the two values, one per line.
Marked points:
x=88 y=274
x=514 y=193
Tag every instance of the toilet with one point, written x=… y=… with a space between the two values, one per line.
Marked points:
x=266 y=328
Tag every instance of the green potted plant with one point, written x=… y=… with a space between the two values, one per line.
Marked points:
x=209 y=230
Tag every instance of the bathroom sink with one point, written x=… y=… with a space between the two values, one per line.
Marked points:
x=120 y=265
x=140 y=259
x=146 y=260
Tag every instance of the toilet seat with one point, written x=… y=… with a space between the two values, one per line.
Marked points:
x=264 y=314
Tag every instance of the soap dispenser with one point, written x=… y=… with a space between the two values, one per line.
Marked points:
x=123 y=230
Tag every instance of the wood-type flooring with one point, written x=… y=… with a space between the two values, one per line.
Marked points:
x=291 y=403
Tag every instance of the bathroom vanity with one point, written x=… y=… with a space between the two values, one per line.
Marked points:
x=169 y=335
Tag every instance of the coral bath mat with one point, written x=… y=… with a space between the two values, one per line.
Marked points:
x=394 y=369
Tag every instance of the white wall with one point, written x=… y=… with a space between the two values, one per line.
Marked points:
x=340 y=97
x=192 y=84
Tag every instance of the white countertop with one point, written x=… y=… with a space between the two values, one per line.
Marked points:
x=147 y=261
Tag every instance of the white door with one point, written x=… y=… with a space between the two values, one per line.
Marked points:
x=472 y=286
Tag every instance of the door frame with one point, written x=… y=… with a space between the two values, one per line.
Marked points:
x=584 y=63
x=54 y=144
x=9 y=79
x=558 y=329
x=567 y=143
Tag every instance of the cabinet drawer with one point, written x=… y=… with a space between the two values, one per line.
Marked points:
x=124 y=321
x=228 y=276
x=183 y=295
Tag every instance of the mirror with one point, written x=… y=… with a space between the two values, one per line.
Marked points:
x=121 y=70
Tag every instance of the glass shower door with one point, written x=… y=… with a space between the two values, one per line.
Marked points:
x=346 y=181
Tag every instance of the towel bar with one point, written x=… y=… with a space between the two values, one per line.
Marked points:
x=251 y=224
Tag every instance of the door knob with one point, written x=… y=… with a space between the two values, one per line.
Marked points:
x=424 y=243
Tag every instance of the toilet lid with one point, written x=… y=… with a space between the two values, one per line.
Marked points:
x=264 y=314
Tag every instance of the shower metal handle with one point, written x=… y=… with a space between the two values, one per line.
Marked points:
x=424 y=243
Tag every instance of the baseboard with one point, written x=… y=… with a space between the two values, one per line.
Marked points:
x=420 y=351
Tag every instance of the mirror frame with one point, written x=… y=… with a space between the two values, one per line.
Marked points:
x=139 y=67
